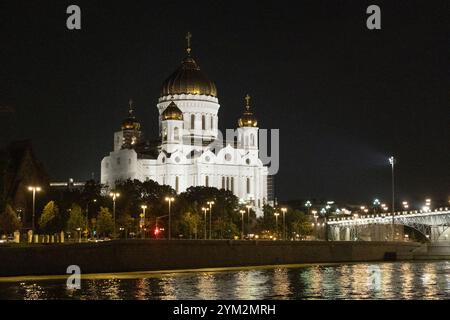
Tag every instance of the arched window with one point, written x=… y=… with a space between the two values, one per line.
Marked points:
x=203 y=122
x=164 y=134
x=246 y=140
x=223 y=182
x=206 y=181
x=176 y=133
x=252 y=140
x=248 y=185
x=192 y=121
x=177 y=184
x=212 y=122
x=232 y=184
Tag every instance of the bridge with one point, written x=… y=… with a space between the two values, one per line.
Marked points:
x=433 y=225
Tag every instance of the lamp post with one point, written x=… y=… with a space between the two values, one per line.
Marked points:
x=392 y=163
x=114 y=196
x=248 y=217
x=242 y=223
x=284 y=222
x=210 y=203
x=34 y=189
x=308 y=205
x=206 y=221
x=276 y=222
x=170 y=200
x=87 y=216
x=405 y=205
x=143 y=207
x=314 y=212
x=376 y=204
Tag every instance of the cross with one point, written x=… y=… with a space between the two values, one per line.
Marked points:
x=188 y=38
x=130 y=105
x=248 y=98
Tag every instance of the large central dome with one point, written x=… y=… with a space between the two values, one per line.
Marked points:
x=188 y=79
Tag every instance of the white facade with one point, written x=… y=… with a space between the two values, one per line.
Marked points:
x=187 y=157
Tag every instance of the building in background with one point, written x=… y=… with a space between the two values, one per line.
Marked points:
x=190 y=151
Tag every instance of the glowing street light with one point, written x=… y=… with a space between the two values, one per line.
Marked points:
x=204 y=214
x=87 y=216
x=314 y=212
x=210 y=203
x=392 y=163
x=143 y=207
x=114 y=196
x=276 y=222
x=308 y=205
x=170 y=200
x=284 y=222
x=34 y=189
x=242 y=223
x=248 y=217
x=405 y=204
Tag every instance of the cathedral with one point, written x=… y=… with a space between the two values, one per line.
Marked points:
x=190 y=150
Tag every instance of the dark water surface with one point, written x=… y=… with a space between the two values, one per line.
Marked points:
x=398 y=280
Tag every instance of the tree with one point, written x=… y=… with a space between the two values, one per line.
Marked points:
x=127 y=222
x=189 y=223
x=104 y=222
x=77 y=220
x=9 y=221
x=299 y=223
x=49 y=218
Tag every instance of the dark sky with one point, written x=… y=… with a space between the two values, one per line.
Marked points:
x=344 y=98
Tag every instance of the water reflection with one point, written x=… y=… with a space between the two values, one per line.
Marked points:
x=402 y=280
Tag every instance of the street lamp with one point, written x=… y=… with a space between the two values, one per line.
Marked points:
x=314 y=212
x=87 y=216
x=376 y=204
x=405 y=204
x=210 y=203
x=276 y=223
x=392 y=163
x=34 y=189
x=284 y=222
x=204 y=213
x=170 y=200
x=242 y=222
x=143 y=207
x=114 y=196
x=308 y=205
x=248 y=217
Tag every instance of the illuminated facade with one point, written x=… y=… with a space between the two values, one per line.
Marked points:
x=190 y=150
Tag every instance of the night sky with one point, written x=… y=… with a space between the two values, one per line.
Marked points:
x=344 y=98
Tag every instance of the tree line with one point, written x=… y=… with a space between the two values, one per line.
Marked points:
x=88 y=212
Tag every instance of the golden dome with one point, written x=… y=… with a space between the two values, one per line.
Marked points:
x=172 y=112
x=248 y=119
x=188 y=78
x=130 y=123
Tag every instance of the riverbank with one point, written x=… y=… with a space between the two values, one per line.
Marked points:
x=152 y=255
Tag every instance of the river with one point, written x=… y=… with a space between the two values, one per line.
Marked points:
x=393 y=280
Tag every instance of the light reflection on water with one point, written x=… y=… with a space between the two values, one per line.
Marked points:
x=399 y=280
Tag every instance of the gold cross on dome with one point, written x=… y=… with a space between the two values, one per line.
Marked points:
x=188 y=39
x=247 y=99
x=130 y=105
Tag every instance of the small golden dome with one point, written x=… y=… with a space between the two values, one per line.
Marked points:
x=130 y=123
x=172 y=112
x=188 y=79
x=248 y=119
